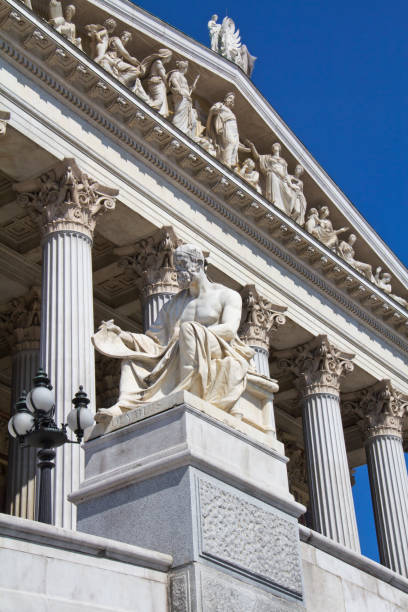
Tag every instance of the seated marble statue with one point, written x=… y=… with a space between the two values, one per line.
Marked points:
x=192 y=345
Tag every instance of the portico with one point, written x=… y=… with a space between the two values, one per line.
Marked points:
x=333 y=341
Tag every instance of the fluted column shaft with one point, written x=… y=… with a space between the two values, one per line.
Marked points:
x=66 y=203
x=389 y=490
x=66 y=350
x=152 y=305
x=22 y=465
x=319 y=366
x=331 y=498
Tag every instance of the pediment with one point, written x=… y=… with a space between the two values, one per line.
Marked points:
x=256 y=119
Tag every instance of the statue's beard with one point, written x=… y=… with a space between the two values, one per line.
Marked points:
x=184 y=279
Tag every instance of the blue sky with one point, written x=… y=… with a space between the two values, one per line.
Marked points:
x=336 y=72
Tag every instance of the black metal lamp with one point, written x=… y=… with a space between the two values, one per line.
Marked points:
x=33 y=425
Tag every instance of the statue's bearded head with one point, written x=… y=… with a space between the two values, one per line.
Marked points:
x=189 y=263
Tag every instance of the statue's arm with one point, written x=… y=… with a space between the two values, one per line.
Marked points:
x=230 y=321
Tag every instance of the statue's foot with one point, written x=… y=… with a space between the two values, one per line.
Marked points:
x=105 y=415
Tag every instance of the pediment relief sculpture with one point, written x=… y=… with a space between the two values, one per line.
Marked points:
x=213 y=124
x=63 y=23
x=346 y=250
x=193 y=344
x=319 y=225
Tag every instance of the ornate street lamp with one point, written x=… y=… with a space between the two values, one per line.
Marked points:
x=33 y=425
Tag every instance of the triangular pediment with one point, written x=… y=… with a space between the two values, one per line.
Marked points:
x=256 y=121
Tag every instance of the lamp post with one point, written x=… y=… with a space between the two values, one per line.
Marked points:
x=33 y=425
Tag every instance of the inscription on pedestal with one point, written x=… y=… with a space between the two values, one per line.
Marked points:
x=249 y=539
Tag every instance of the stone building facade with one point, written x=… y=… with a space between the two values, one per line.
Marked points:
x=113 y=154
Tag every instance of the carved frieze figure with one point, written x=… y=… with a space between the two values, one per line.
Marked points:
x=346 y=251
x=192 y=345
x=156 y=80
x=298 y=200
x=275 y=170
x=222 y=128
x=383 y=281
x=319 y=225
x=117 y=60
x=226 y=40
x=184 y=115
x=64 y=25
x=214 y=29
x=99 y=38
x=248 y=172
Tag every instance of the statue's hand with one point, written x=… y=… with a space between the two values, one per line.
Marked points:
x=110 y=326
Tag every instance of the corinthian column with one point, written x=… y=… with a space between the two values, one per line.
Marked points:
x=150 y=263
x=66 y=203
x=260 y=319
x=21 y=324
x=319 y=367
x=381 y=410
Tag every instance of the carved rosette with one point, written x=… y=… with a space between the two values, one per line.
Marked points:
x=21 y=321
x=260 y=318
x=66 y=199
x=380 y=409
x=318 y=366
x=151 y=262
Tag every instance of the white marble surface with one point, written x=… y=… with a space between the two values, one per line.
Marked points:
x=55 y=569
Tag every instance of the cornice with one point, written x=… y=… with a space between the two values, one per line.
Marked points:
x=69 y=74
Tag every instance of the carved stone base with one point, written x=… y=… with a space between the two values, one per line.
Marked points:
x=187 y=484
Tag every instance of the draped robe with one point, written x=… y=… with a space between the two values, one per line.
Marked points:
x=151 y=361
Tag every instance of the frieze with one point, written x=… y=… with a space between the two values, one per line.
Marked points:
x=249 y=538
x=270 y=219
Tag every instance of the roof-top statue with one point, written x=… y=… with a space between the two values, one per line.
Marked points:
x=226 y=41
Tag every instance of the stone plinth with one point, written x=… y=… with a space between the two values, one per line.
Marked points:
x=203 y=490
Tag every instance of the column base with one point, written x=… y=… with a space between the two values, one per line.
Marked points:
x=217 y=500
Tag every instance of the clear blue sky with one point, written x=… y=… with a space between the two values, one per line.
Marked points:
x=336 y=72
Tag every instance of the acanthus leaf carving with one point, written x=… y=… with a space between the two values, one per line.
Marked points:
x=20 y=321
x=260 y=318
x=150 y=262
x=65 y=198
x=318 y=366
x=380 y=409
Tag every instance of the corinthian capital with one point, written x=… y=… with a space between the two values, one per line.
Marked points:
x=318 y=366
x=150 y=262
x=20 y=321
x=65 y=198
x=380 y=409
x=260 y=318
x=4 y=118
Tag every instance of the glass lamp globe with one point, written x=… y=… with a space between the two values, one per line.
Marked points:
x=11 y=429
x=41 y=398
x=85 y=417
x=23 y=422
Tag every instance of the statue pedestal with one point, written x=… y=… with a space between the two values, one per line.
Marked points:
x=171 y=477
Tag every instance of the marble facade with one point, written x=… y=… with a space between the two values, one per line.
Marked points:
x=111 y=158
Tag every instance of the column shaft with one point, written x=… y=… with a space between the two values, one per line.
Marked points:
x=66 y=350
x=331 y=497
x=152 y=305
x=22 y=461
x=389 y=490
x=261 y=360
